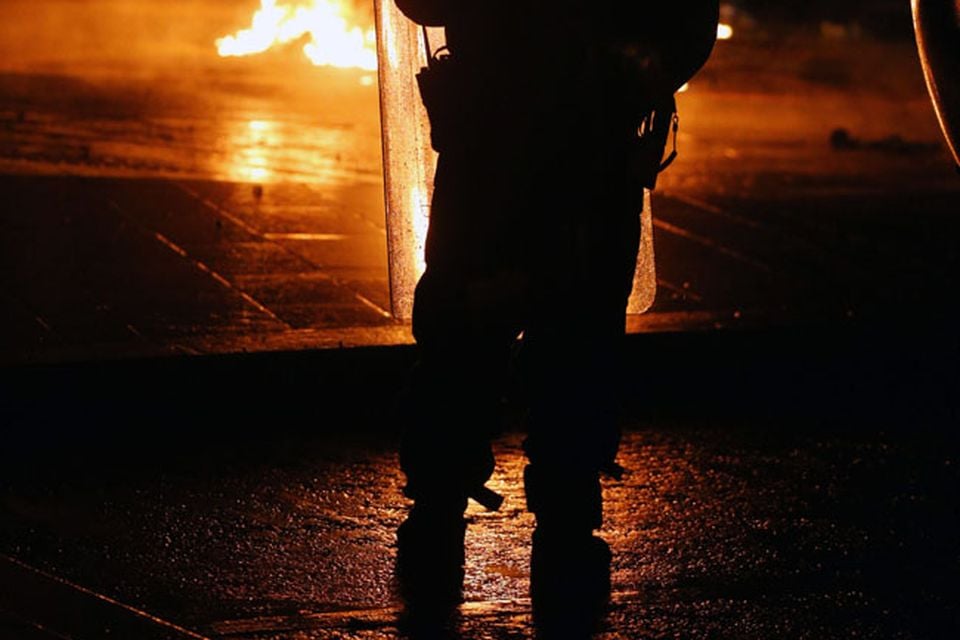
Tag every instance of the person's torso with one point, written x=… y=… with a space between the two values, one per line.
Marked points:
x=539 y=69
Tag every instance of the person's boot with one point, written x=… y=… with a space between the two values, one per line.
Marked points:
x=569 y=565
x=569 y=581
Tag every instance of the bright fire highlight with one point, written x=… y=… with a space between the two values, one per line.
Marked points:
x=333 y=41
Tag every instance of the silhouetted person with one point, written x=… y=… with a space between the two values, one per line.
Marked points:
x=534 y=228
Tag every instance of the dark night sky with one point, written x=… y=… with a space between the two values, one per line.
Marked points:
x=827 y=9
x=883 y=17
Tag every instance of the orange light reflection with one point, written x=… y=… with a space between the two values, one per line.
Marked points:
x=252 y=141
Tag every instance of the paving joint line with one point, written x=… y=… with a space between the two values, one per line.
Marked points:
x=221 y=280
x=711 y=244
x=707 y=207
x=104 y=598
x=885 y=249
x=218 y=210
x=690 y=293
x=198 y=264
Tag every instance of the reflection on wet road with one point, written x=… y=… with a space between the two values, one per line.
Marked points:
x=324 y=132
x=721 y=533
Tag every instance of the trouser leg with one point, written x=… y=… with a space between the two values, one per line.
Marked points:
x=573 y=432
x=572 y=351
x=450 y=413
x=572 y=359
x=452 y=408
x=572 y=435
x=445 y=447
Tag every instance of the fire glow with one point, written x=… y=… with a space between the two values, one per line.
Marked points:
x=333 y=40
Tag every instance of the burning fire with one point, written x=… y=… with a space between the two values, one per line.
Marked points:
x=333 y=40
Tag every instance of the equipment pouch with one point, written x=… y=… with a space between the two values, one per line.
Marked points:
x=439 y=95
x=647 y=149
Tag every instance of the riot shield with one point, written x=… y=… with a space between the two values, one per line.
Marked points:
x=409 y=162
x=937 y=27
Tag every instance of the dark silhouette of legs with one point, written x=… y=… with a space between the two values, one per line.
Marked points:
x=510 y=250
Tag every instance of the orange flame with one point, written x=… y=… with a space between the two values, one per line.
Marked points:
x=333 y=40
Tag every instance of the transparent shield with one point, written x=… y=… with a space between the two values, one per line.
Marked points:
x=645 y=277
x=409 y=163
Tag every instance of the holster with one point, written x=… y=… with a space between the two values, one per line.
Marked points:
x=441 y=98
x=647 y=149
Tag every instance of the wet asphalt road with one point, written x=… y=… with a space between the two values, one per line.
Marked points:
x=783 y=529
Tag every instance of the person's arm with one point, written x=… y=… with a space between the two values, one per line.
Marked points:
x=432 y=13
